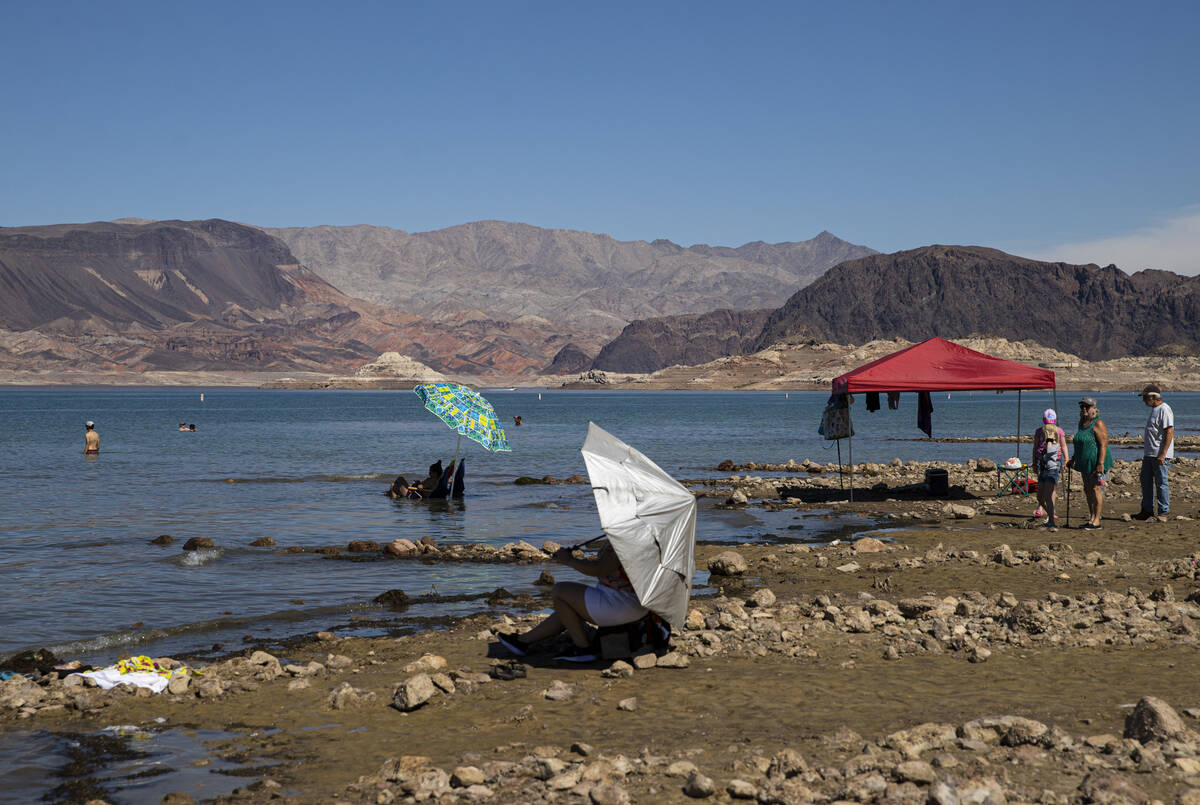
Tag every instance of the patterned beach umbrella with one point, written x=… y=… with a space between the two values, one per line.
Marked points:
x=465 y=411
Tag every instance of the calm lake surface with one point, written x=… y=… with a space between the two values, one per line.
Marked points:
x=309 y=469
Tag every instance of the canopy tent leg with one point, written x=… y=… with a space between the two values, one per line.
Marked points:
x=1019 y=428
x=851 y=448
x=841 y=467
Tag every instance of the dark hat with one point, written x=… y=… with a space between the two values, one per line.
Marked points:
x=1088 y=401
x=1151 y=390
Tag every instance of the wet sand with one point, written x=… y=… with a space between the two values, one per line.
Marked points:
x=1070 y=628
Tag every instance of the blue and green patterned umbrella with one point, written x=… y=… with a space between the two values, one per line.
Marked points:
x=465 y=411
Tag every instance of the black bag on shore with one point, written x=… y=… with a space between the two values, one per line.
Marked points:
x=624 y=640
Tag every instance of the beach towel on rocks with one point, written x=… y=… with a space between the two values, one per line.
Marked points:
x=140 y=671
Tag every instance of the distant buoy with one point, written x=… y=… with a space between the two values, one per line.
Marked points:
x=785 y=395
x=202 y=396
x=539 y=395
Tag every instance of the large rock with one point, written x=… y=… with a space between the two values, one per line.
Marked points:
x=958 y=511
x=1153 y=720
x=413 y=692
x=728 y=563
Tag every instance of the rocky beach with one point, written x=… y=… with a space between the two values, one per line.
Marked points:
x=960 y=652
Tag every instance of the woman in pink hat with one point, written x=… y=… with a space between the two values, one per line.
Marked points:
x=1049 y=458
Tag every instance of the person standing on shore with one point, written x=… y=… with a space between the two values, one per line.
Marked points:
x=91 y=439
x=1159 y=448
x=1049 y=457
x=1092 y=459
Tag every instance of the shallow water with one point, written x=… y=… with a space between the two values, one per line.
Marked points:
x=309 y=469
x=125 y=763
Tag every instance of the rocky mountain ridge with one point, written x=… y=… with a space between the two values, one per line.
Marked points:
x=590 y=284
x=189 y=296
x=955 y=292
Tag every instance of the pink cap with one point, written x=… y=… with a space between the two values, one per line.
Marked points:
x=1049 y=417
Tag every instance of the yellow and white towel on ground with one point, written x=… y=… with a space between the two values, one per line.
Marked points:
x=140 y=671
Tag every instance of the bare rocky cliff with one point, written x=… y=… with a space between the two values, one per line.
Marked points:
x=652 y=344
x=170 y=295
x=957 y=291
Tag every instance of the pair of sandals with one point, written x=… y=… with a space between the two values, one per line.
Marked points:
x=508 y=671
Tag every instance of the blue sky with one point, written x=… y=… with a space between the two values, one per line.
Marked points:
x=1066 y=130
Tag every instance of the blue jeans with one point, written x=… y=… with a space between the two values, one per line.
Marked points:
x=1154 y=484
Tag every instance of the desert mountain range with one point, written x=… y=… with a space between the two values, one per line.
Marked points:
x=951 y=291
x=591 y=283
x=496 y=302
x=480 y=300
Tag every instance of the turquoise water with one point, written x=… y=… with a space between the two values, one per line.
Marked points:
x=309 y=469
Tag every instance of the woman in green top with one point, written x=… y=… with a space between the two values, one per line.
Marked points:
x=1092 y=458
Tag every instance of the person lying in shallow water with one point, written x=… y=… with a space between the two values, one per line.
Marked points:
x=610 y=602
x=437 y=486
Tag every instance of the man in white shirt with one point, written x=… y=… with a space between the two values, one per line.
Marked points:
x=1159 y=440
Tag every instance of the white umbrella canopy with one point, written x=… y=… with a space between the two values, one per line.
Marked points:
x=650 y=519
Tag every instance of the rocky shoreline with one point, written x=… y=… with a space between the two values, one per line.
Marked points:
x=965 y=654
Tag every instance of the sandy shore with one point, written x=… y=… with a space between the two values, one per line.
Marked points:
x=972 y=655
x=782 y=367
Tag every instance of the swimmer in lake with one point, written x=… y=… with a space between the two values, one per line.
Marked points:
x=91 y=439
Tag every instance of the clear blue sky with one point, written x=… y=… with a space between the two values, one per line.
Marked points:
x=1024 y=126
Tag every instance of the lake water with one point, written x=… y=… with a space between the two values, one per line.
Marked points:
x=309 y=469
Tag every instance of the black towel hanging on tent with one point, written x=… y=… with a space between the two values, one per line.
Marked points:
x=893 y=400
x=872 y=400
x=925 y=412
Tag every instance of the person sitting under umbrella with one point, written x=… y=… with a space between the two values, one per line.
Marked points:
x=447 y=489
x=611 y=602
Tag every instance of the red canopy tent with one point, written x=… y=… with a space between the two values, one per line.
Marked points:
x=941 y=365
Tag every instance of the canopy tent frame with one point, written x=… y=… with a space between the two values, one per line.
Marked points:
x=940 y=365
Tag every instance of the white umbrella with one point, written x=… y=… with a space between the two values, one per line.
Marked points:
x=650 y=519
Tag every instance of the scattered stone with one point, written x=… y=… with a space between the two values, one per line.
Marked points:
x=560 y=691
x=263 y=542
x=851 y=567
x=673 y=659
x=645 y=660
x=762 y=598
x=401 y=547
x=393 y=599
x=413 y=692
x=728 y=563
x=699 y=786
x=345 y=696
x=198 y=543
x=618 y=670
x=427 y=663
x=162 y=539
x=465 y=776
x=608 y=794
x=869 y=545
x=740 y=789
x=1153 y=719
x=958 y=511
x=915 y=771
x=628 y=705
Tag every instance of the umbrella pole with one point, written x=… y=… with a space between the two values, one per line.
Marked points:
x=454 y=463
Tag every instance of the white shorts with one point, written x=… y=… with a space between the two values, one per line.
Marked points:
x=609 y=607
